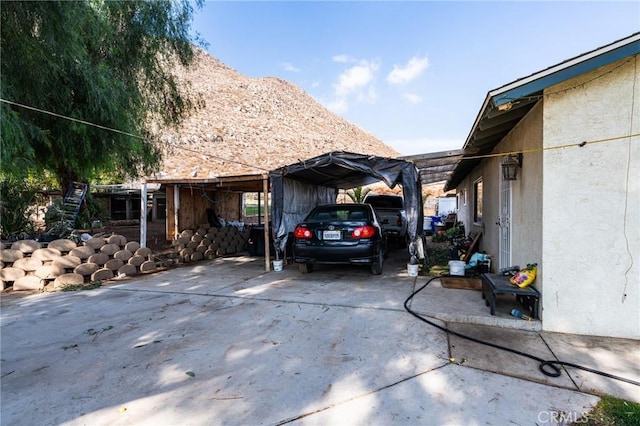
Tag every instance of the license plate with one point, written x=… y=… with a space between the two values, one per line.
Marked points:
x=330 y=235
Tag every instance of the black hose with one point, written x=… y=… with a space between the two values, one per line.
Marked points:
x=549 y=368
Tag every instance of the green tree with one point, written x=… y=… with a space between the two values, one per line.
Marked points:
x=358 y=194
x=109 y=63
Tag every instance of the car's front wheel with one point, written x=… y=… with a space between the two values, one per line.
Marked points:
x=305 y=268
x=376 y=266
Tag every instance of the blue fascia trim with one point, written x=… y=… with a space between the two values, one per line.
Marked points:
x=567 y=73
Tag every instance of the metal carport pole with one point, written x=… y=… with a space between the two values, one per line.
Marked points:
x=267 y=242
x=143 y=215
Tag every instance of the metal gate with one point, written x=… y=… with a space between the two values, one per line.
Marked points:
x=504 y=223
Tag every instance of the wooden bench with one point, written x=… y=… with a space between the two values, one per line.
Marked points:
x=494 y=284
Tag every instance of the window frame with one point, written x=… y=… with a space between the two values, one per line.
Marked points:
x=478 y=191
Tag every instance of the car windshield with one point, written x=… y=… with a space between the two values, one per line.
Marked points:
x=338 y=213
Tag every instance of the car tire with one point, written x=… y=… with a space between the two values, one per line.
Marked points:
x=376 y=266
x=305 y=268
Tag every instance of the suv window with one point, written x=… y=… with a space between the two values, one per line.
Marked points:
x=385 y=201
x=341 y=212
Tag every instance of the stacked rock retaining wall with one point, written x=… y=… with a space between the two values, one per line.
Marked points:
x=32 y=265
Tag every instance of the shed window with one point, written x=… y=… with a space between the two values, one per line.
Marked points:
x=477 y=201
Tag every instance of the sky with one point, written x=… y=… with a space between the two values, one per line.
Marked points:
x=412 y=73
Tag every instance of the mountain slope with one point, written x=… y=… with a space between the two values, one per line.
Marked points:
x=253 y=125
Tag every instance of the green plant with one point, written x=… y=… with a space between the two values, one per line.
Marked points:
x=454 y=232
x=91 y=210
x=358 y=194
x=54 y=220
x=439 y=238
x=16 y=207
x=79 y=287
x=611 y=411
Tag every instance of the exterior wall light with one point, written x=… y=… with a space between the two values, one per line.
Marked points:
x=510 y=165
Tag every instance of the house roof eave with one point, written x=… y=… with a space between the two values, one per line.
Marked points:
x=504 y=107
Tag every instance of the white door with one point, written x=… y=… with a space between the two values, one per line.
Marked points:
x=504 y=223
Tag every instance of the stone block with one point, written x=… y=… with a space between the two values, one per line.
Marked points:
x=148 y=266
x=68 y=279
x=119 y=240
x=29 y=282
x=132 y=246
x=114 y=264
x=49 y=272
x=110 y=249
x=26 y=246
x=64 y=245
x=46 y=254
x=27 y=264
x=123 y=254
x=95 y=243
x=143 y=251
x=98 y=258
x=82 y=252
x=86 y=269
x=196 y=256
x=10 y=255
x=127 y=270
x=11 y=274
x=136 y=260
x=186 y=252
x=67 y=262
x=102 y=274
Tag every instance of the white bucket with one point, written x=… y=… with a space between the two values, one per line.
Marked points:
x=277 y=265
x=412 y=270
x=456 y=267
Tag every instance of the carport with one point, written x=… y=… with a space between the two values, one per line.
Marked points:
x=299 y=187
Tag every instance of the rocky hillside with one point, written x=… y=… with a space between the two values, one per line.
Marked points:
x=253 y=125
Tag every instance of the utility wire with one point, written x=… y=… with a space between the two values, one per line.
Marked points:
x=124 y=133
x=473 y=157
x=70 y=118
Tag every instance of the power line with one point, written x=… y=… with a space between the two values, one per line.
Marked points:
x=70 y=118
x=123 y=133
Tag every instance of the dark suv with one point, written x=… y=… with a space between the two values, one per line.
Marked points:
x=390 y=209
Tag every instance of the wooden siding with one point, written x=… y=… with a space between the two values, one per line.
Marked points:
x=194 y=203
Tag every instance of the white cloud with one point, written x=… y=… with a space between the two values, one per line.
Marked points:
x=354 y=83
x=343 y=59
x=404 y=74
x=412 y=98
x=355 y=78
x=289 y=67
x=315 y=84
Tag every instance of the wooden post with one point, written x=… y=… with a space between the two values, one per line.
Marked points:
x=176 y=209
x=267 y=241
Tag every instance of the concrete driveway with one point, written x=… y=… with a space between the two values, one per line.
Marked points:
x=223 y=342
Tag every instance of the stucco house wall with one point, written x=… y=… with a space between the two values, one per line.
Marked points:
x=591 y=233
x=526 y=191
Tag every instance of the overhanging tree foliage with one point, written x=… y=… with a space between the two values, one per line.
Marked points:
x=103 y=62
